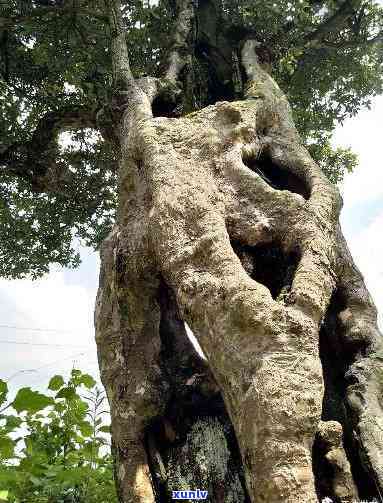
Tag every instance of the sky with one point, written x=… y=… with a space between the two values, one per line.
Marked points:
x=46 y=326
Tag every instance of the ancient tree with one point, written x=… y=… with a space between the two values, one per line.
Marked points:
x=227 y=220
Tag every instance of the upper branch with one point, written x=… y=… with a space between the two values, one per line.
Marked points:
x=183 y=26
x=259 y=82
x=120 y=57
x=334 y=22
x=36 y=160
x=358 y=42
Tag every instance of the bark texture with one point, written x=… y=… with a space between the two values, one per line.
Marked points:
x=225 y=222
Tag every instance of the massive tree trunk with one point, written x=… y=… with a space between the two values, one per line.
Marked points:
x=227 y=224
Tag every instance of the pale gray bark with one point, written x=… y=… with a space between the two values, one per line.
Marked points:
x=177 y=60
x=202 y=199
x=119 y=51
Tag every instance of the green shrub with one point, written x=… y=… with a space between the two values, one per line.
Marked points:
x=56 y=449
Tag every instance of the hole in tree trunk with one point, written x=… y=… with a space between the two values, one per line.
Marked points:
x=269 y=265
x=165 y=106
x=275 y=176
x=336 y=356
x=193 y=445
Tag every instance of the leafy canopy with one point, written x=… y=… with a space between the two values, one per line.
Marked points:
x=55 y=77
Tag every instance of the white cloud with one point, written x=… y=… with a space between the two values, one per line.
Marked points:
x=364 y=135
x=367 y=250
x=51 y=303
x=62 y=311
x=362 y=215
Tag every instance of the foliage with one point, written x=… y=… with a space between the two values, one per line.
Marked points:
x=326 y=80
x=334 y=162
x=55 y=449
x=38 y=228
x=55 y=54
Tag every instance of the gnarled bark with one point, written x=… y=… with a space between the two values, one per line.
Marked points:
x=206 y=202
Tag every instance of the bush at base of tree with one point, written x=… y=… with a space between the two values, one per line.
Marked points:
x=54 y=447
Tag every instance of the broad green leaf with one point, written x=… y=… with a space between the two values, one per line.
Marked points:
x=30 y=401
x=89 y=449
x=75 y=374
x=86 y=429
x=104 y=429
x=52 y=471
x=3 y=391
x=88 y=381
x=72 y=476
x=36 y=481
x=7 y=447
x=7 y=477
x=12 y=422
x=69 y=393
x=81 y=407
x=56 y=383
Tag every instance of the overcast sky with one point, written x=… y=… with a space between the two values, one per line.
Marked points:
x=60 y=306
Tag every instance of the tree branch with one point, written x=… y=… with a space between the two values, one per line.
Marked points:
x=259 y=82
x=333 y=23
x=344 y=44
x=120 y=57
x=183 y=26
x=36 y=160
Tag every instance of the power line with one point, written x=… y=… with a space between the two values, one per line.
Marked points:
x=24 y=371
x=31 y=329
x=37 y=380
x=44 y=344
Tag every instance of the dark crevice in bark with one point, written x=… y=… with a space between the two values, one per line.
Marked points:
x=114 y=453
x=277 y=177
x=220 y=85
x=323 y=472
x=163 y=107
x=213 y=71
x=336 y=356
x=193 y=445
x=270 y=265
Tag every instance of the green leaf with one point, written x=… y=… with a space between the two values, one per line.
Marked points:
x=79 y=378
x=104 y=429
x=59 y=407
x=69 y=393
x=88 y=381
x=56 y=383
x=8 y=477
x=86 y=429
x=30 y=401
x=75 y=373
x=12 y=422
x=36 y=481
x=52 y=471
x=7 y=447
x=3 y=391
